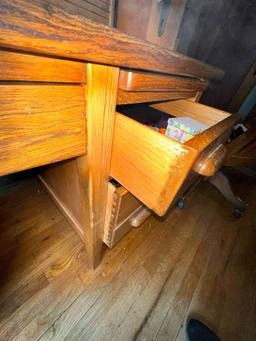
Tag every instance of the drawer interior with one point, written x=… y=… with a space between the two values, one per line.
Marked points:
x=200 y=112
x=153 y=166
x=157 y=115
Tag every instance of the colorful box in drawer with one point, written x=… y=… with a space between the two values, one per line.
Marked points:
x=183 y=129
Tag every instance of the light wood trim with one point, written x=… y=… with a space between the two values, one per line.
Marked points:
x=40 y=124
x=149 y=165
x=94 y=170
x=32 y=26
x=141 y=81
x=130 y=97
x=16 y=66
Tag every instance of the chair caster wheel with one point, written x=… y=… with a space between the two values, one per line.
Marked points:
x=237 y=213
x=181 y=203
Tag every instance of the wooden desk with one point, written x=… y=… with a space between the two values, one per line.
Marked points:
x=61 y=78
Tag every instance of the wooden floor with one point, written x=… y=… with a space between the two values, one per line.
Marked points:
x=199 y=262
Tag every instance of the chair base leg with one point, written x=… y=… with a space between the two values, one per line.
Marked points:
x=221 y=182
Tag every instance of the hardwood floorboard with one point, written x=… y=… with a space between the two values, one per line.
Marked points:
x=174 y=249
x=199 y=262
x=96 y=282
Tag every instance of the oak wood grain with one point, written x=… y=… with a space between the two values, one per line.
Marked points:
x=130 y=97
x=45 y=28
x=150 y=165
x=40 y=124
x=94 y=169
x=193 y=259
x=142 y=81
x=16 y=66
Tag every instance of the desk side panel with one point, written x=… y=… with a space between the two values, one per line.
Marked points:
x=40 y=124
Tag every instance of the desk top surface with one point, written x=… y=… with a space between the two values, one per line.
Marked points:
x=38 y=27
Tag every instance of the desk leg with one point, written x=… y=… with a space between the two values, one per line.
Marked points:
x=93 y=170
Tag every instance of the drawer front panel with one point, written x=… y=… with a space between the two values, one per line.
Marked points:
x=152 y=166
x=130 y=97
x=40 y=124
x=139 y=81
x=16 y=66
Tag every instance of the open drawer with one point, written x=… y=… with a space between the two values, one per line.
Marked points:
x=152 y=166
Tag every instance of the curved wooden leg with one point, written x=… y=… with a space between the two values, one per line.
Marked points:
x=221 y=182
